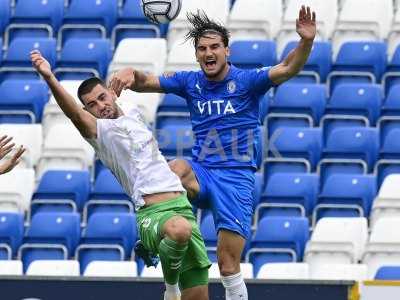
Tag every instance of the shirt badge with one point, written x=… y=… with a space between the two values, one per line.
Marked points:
x=231 y=87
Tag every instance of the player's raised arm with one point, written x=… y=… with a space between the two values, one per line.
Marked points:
x=294 y=62
x=83 y=121
x=134 y=80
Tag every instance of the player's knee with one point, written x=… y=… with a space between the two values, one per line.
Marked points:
x=178 y=229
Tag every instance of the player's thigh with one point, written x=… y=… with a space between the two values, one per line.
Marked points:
x=229 y=250
x=183 y=169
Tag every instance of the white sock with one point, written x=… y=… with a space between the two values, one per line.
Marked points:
x=172 y=291
x=235 y=288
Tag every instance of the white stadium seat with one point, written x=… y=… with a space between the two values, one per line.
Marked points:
x=53 y=268
x=151 y=272
x=383 y=247
x=284 y=271
x=181 y=57
x=111 y=269
x=28 y=135
x=145 y=54
x=387 y=202
x=16 y=189
x=329 y=271
x=64 y=148
x=255 y=19
x=11 y=267
x=337 y=240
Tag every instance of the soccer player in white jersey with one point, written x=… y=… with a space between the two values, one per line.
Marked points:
x=165 y=219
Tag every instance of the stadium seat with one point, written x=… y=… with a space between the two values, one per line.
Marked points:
x=337 y=241
x=389 y=132
x=358 y=62
x=111 y=269
x=93 y=58
x=11 y=267
x=318 y=64
x=151 y=272
x=358 y=143
x=22 y=101
x=386 y=203
x=277 y=121
x=392 y=76
x=248 y=54
x=16 y=189
x=288 y=194
x=353 y=199
x=107 y=196
x=207 y=229
x=150 y=55
x=36 y=18
x=328 y=271
x=388 y=273
x=29 y=135
x=5 y=12
x=255 y=19
x=181 y=57
x=50 y=236
x=306 y=99
x=53 y=268
x=356 y=99
x=107 y=236
x=284 y=271
x=383 y=247
x=11 y=234
x=360 y=20
x=278 y=239
x=60 y=153
x=284 y=165
x=61 y=191
x=297 y=142
x=391 y=105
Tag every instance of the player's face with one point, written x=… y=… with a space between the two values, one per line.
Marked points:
x=212 y=56
x=100 y=102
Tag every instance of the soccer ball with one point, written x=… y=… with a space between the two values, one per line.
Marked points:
x=161 y=11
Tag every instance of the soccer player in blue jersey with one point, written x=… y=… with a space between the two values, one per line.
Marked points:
x=224 y=107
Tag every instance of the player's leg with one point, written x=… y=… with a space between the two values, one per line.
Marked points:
x=194 y=284
x=229 y=250
x=184 y=170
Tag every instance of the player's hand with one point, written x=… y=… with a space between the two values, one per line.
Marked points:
x=122 y=80
x=41 y=64
x=14 y=160
x=5 y=146
x=305 y=24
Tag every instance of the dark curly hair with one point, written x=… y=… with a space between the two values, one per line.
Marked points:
x=202 y=25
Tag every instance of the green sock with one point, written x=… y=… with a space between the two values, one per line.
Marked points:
x=171 y=256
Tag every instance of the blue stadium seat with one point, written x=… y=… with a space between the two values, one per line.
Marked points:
x=22 y=101
x=288 y=194
x=356 y=99
x=50 y=236
x=307 y=99
x=353 y=143
x=108 y=236
x=11 y=233
x=366 y=57
x=297 y=142
x=389 y=136
x=275 y=121
x=173 y=105
x=253 y=54
x=392 y=76
x=100 y=12
x=391 y=105
x=207 y=229
x=5 y=12
x=319 y=61
x=278 y=239
x=44 y=18
x=284 y=165
x=346 y=195
x=61 y=191
x=92 y=59
x=258 y=187
x=388 y=273
x=107 y=196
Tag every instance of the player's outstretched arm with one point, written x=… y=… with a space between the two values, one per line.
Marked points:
x=134 y=80
x=294 y=62
x=5 y=148
x=83 y=120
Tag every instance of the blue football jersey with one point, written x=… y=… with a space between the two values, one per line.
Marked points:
x=224 y=114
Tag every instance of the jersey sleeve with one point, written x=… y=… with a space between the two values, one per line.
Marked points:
x=259 y=81
x=174 y=82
